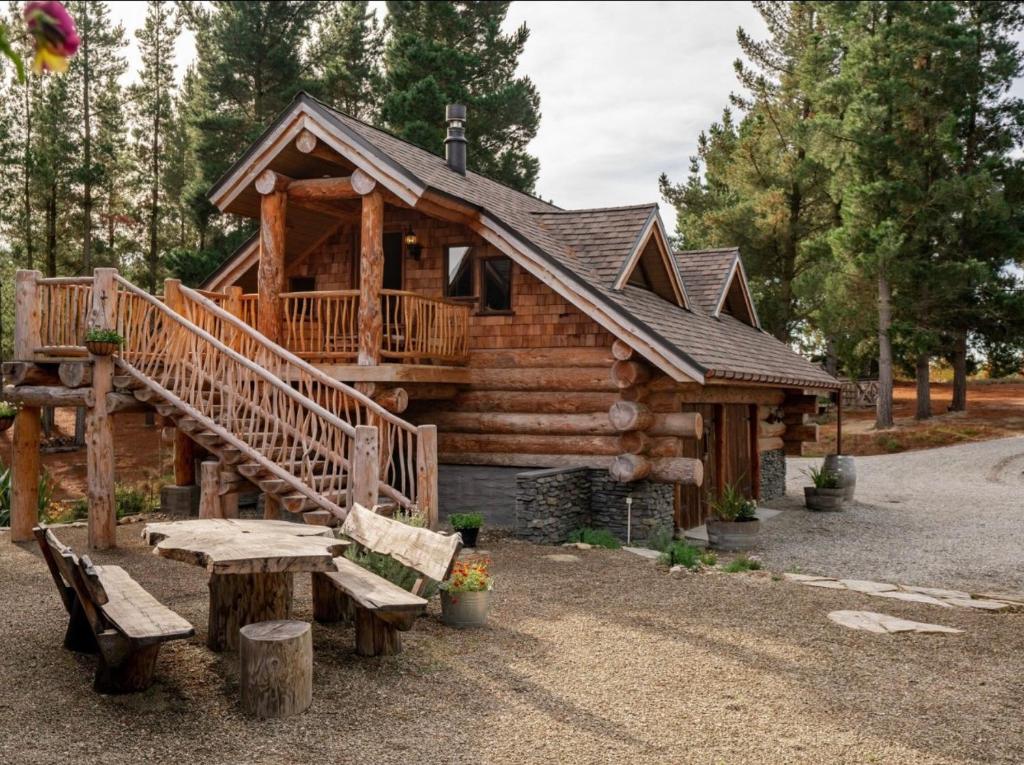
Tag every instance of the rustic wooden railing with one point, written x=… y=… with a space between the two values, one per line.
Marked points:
x=275 y=407
x=323 y=326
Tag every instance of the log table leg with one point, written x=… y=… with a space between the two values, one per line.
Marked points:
x=240 y=599
x=329 y=603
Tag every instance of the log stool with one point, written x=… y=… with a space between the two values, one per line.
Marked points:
x=277 y=668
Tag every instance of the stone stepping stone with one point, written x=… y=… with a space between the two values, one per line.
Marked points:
x=982 y=605
x=912 y=597
x=806 y=578
x=937 y=592
x=883 y=624
x=828 y=584
x=563 y=558
x=868 y=588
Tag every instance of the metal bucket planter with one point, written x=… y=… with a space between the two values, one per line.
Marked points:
x=101 y=348
x=465 y=609
x=824 y=500
x=733 y=535
x=844 y=467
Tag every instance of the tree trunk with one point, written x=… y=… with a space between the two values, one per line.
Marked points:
x=924 y=392
x=883 y=409
x=27 y=169
x=959 y=403
x=86 y=148
x=154 y=211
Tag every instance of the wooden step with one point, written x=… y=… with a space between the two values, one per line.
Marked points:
x=127 y=383
x=279 y=485
x=300 y=503
x=167 y=410
x=321 y=517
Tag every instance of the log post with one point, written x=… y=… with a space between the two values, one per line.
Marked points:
x=270 y=276
x=209 y=489
x=364 y=467
x=184 y=459
x=276 y=668
x=755 y=454
x=626 y=374
x=26 y=315
x=25 y=462
x=719 y=450
x=426 y=473
x=75 y=374
x=371 y=279
x=99 y=426
x=240 y=599
x=635 y=467
x=621 y=351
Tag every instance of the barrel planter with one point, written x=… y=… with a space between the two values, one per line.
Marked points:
x=824 y=500
x=465 y=609
x=844 y=467
x=733 y=535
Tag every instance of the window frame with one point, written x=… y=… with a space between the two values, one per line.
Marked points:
x=482 y=308
x=473 y=276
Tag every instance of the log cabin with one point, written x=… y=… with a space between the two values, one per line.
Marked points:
x=538 y=364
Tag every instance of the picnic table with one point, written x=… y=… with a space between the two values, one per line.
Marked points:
x=250 y=563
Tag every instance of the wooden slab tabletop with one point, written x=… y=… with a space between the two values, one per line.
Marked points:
x=240 y=546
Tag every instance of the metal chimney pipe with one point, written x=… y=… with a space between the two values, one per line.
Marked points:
x=455 y=143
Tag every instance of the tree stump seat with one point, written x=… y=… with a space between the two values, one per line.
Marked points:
x=379 y=608
x=276 y=668
x=111 y=615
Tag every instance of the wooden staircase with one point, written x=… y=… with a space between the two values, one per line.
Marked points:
x=311 y=442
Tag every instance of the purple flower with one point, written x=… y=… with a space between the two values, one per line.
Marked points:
x=54 y=31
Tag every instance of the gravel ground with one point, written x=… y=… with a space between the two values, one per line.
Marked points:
x=949 y=517
x=608 y=659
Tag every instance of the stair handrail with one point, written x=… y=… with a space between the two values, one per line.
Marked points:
x=294 y=360
x=330 y=417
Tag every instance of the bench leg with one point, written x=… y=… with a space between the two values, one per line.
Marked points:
x=240 y=599
x=329 y=603
x=79 y=636
x=124 y=668
x=375 y=637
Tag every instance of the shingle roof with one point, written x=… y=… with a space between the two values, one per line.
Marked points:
x=705 y=272
x=600 y=239
x=592 y=245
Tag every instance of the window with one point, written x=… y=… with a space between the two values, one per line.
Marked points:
x=459 y=272
x=496 y=284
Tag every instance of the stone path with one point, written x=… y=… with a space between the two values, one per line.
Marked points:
x=932 y=596
x=883 y=624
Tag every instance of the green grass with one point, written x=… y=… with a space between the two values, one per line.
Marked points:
x=595 y=537
x=741 y=563
x=688 y=556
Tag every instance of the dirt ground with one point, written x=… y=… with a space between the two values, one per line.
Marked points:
x=994 y=410
x=607 y=659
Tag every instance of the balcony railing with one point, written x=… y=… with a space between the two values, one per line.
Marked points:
x=324 y=326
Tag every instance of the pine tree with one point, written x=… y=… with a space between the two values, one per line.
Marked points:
x=347 y=58
x=455 y=52
x=97 y=61
x=758 y=185
x=152 y=98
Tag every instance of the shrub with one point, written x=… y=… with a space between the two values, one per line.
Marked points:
x=460 y=521
x=731 y=505
x=660 y=539
x=131 y=500
x=823 y=478
x=97 y=335
x=45 y=496
x=681 y=554
x=742 y=563
x=595 y=537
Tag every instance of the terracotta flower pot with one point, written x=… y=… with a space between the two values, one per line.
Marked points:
x=824 y=500
x=101 y=348
x=733 y=535
x=465 y=609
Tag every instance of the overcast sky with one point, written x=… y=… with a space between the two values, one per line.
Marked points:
x=625 y=89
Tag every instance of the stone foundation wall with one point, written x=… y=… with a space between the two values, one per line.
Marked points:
x=653 y=506
x=550 y=504
x=773 y=474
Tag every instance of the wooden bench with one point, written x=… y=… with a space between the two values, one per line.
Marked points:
x=379 y=608
x=110 y=615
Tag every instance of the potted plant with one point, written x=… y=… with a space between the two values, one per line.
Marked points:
x=466 y=594
x=102 y=342
x=826 y=493
x=733 y=523
x=8 y=412
x=467 y=525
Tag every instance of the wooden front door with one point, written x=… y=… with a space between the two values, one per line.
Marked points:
x=693 y=502
x=392 y=261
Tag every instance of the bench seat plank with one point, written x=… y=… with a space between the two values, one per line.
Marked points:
x=135 y=613
x=372 y=592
